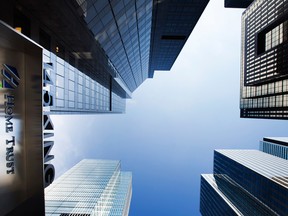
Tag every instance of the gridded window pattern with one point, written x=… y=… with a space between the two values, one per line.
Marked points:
x=264 y=67
x=91 y=187
x=60 y=73
x=75 y=93
x=274 y=149
x=275 y=36
x=261 y=174
x=123 y=30
x=264 y=31
x=118 y=103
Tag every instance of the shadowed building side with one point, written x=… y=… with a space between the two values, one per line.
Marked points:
x=237 y=3
x=220 y=195
x=245 y=182
x=172 y=23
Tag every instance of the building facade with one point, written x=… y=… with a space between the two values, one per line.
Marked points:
x=91 y=187
x=221 y=195
x=245 y=182
x=100 y=51
x=277 y=146
x=264 y=68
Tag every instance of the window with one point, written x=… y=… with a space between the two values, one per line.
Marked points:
x=274 y=37
x=271 y=37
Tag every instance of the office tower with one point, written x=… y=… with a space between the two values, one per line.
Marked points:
x=277 y=146
x=91 y=187
x=245 y=182
x=237 y=3
x=264 y=68
x=99 y=51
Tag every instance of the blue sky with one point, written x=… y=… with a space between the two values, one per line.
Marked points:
x=173 y=122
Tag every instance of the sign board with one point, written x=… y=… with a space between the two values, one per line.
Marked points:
x=21 y=137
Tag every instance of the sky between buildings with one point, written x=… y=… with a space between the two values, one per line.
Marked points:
x=173 y=122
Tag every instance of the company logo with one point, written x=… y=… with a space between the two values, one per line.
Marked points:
x=11 y=77
x=11 y=81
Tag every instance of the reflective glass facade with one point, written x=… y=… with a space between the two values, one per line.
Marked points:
x=123 y=29
x=212 y=201
x=220 y=195
x=91 y=187
x=277 y=146
x=74 y=92
x=262 y=175
x=264 y=69
x=245 y=182
x=103 y=48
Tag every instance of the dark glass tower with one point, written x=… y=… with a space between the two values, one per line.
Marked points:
x=245 y=182
x=264 y=69
x=97 y=52
x=237 y=3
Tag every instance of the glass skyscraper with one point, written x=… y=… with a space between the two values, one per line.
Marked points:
x=245 y=182
x=264 y=64
x=97 y=52
x=91 y=187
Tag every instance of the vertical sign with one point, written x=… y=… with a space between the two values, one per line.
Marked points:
x=48 y=127
x=21 y=142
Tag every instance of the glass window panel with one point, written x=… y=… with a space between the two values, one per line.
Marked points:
x=59 y=81
x=59 y=93
x=59 y=103
x=71 y=95
x=285 y=100
x=71 y=85
x=60 y=69
x=100 y=4
x=60 y=60
x=272 y=101
x=279 y=101
x=87 y=82
x=80 y=79
x=71 y=75
x=107 y=18
x=90 y=14
x=118 y=7
x=80 y=98
x=80 y=89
